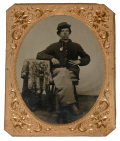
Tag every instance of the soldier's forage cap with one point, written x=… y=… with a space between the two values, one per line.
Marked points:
x=63 y=25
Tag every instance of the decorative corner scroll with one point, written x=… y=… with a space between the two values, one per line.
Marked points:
x=98 y=19
x=99 y=119
x=19 y=117
x=21 y=20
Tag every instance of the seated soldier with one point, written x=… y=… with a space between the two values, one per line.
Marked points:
x=63 y=57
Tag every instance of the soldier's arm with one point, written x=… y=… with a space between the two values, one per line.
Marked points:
x=85 y=58
x=45 y=54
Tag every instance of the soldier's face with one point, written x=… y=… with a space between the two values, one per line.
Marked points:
x=64 y=34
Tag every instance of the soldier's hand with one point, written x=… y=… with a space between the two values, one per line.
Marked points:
x=74 y=62
x=55 y=61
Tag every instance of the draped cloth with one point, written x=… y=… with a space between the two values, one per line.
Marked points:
x=36 y=74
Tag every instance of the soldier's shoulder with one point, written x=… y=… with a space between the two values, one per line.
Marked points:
x=76 y=45
x=54 y=44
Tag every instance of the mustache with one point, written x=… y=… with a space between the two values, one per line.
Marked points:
x=64 y=37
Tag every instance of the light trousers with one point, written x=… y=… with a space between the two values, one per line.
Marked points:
x=65 y=88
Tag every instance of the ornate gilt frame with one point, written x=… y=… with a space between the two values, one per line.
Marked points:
x=100 y=120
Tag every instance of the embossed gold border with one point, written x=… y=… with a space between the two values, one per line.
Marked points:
x=100 y=120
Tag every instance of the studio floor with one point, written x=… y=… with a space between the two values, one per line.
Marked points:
x=43 y=112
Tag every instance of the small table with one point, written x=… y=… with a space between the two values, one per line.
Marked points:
x=36 y=78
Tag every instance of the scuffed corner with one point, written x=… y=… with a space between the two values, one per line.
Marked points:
x=11 y=7
x=111 y=130
x=7 y=130
x=108 y=8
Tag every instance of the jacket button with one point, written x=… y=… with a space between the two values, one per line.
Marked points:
x=66 y=50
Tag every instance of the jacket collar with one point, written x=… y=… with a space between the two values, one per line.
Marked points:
x=69 y=40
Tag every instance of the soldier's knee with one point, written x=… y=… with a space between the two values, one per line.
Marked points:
x=64 y=71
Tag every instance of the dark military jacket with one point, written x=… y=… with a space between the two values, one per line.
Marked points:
x=65 y=51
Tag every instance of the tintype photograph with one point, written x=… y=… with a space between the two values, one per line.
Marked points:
x=60 y=69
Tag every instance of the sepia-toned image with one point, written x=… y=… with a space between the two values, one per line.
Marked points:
x=60 y=69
